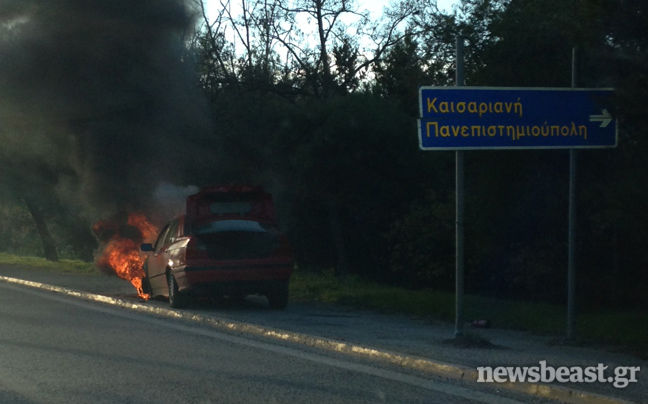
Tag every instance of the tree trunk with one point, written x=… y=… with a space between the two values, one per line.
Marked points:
x=324 y=58
x=49 y=247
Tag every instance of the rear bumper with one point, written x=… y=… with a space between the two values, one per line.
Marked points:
x=241 y=277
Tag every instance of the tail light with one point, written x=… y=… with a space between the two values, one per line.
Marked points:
x=196 y=250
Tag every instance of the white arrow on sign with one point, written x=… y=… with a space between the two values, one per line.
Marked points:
x=605 y=118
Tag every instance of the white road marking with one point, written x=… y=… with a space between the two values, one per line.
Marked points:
x=441 y=387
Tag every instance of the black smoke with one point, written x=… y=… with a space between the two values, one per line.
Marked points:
x=102 y=93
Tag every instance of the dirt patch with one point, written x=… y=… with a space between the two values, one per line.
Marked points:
x=471 y=341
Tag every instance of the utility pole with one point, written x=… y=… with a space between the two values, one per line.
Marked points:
x=571 y=227
x=459 y=199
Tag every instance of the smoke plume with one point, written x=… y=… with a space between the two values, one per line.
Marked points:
x=99 y=92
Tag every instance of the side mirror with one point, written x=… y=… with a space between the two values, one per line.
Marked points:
x=147 y=247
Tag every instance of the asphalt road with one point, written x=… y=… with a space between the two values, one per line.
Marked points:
x=57 y=349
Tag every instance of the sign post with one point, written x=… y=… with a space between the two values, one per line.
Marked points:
x=571 y=225
x=482 y=118
x=459 y=201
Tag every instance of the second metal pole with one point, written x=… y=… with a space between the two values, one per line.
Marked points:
x=459 y=226
x=571 y=249
x=571 y=227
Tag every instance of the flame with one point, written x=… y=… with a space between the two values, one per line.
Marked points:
x=122 y=254
x=145 y=227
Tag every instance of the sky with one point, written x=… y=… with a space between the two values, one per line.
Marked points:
x=375 y=7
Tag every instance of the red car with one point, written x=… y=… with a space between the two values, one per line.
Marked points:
x=227 y=243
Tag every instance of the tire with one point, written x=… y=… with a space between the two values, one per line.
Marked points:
x=177 y=299
x=278 y=296
x=146 y=284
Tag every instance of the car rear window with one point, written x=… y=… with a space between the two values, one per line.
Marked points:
x=237 y=239
x=229 y=225
x=224 y=208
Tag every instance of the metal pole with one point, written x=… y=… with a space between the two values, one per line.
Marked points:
x=571 y=260
x=459 y=225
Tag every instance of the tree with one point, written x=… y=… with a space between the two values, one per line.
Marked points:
x=400 y=74
x=437 y=32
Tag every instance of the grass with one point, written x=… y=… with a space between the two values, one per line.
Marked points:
x=626 y=329
x=66 y=266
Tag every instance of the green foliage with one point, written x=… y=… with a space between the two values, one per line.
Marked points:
x=18 y=233
x=627 y=328
x=400 y=74
x=355 y=291
x=64 y=265
x=422 y=243
x=532 y=47
x=346 y=56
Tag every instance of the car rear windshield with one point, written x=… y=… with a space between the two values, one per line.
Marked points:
x=230 y=225
x=236 y=239
x=224 y=208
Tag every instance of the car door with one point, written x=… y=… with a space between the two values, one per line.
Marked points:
x=156 y=265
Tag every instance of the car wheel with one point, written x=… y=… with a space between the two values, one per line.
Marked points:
x=278 y=296
x=177 y=299
x=146 y=283
x=146 y=286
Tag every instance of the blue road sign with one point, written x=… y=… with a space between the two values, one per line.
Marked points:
x=463 y=118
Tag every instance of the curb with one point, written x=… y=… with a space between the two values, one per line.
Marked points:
x=460 y=373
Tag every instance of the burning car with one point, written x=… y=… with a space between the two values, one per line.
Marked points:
x=227 y=243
